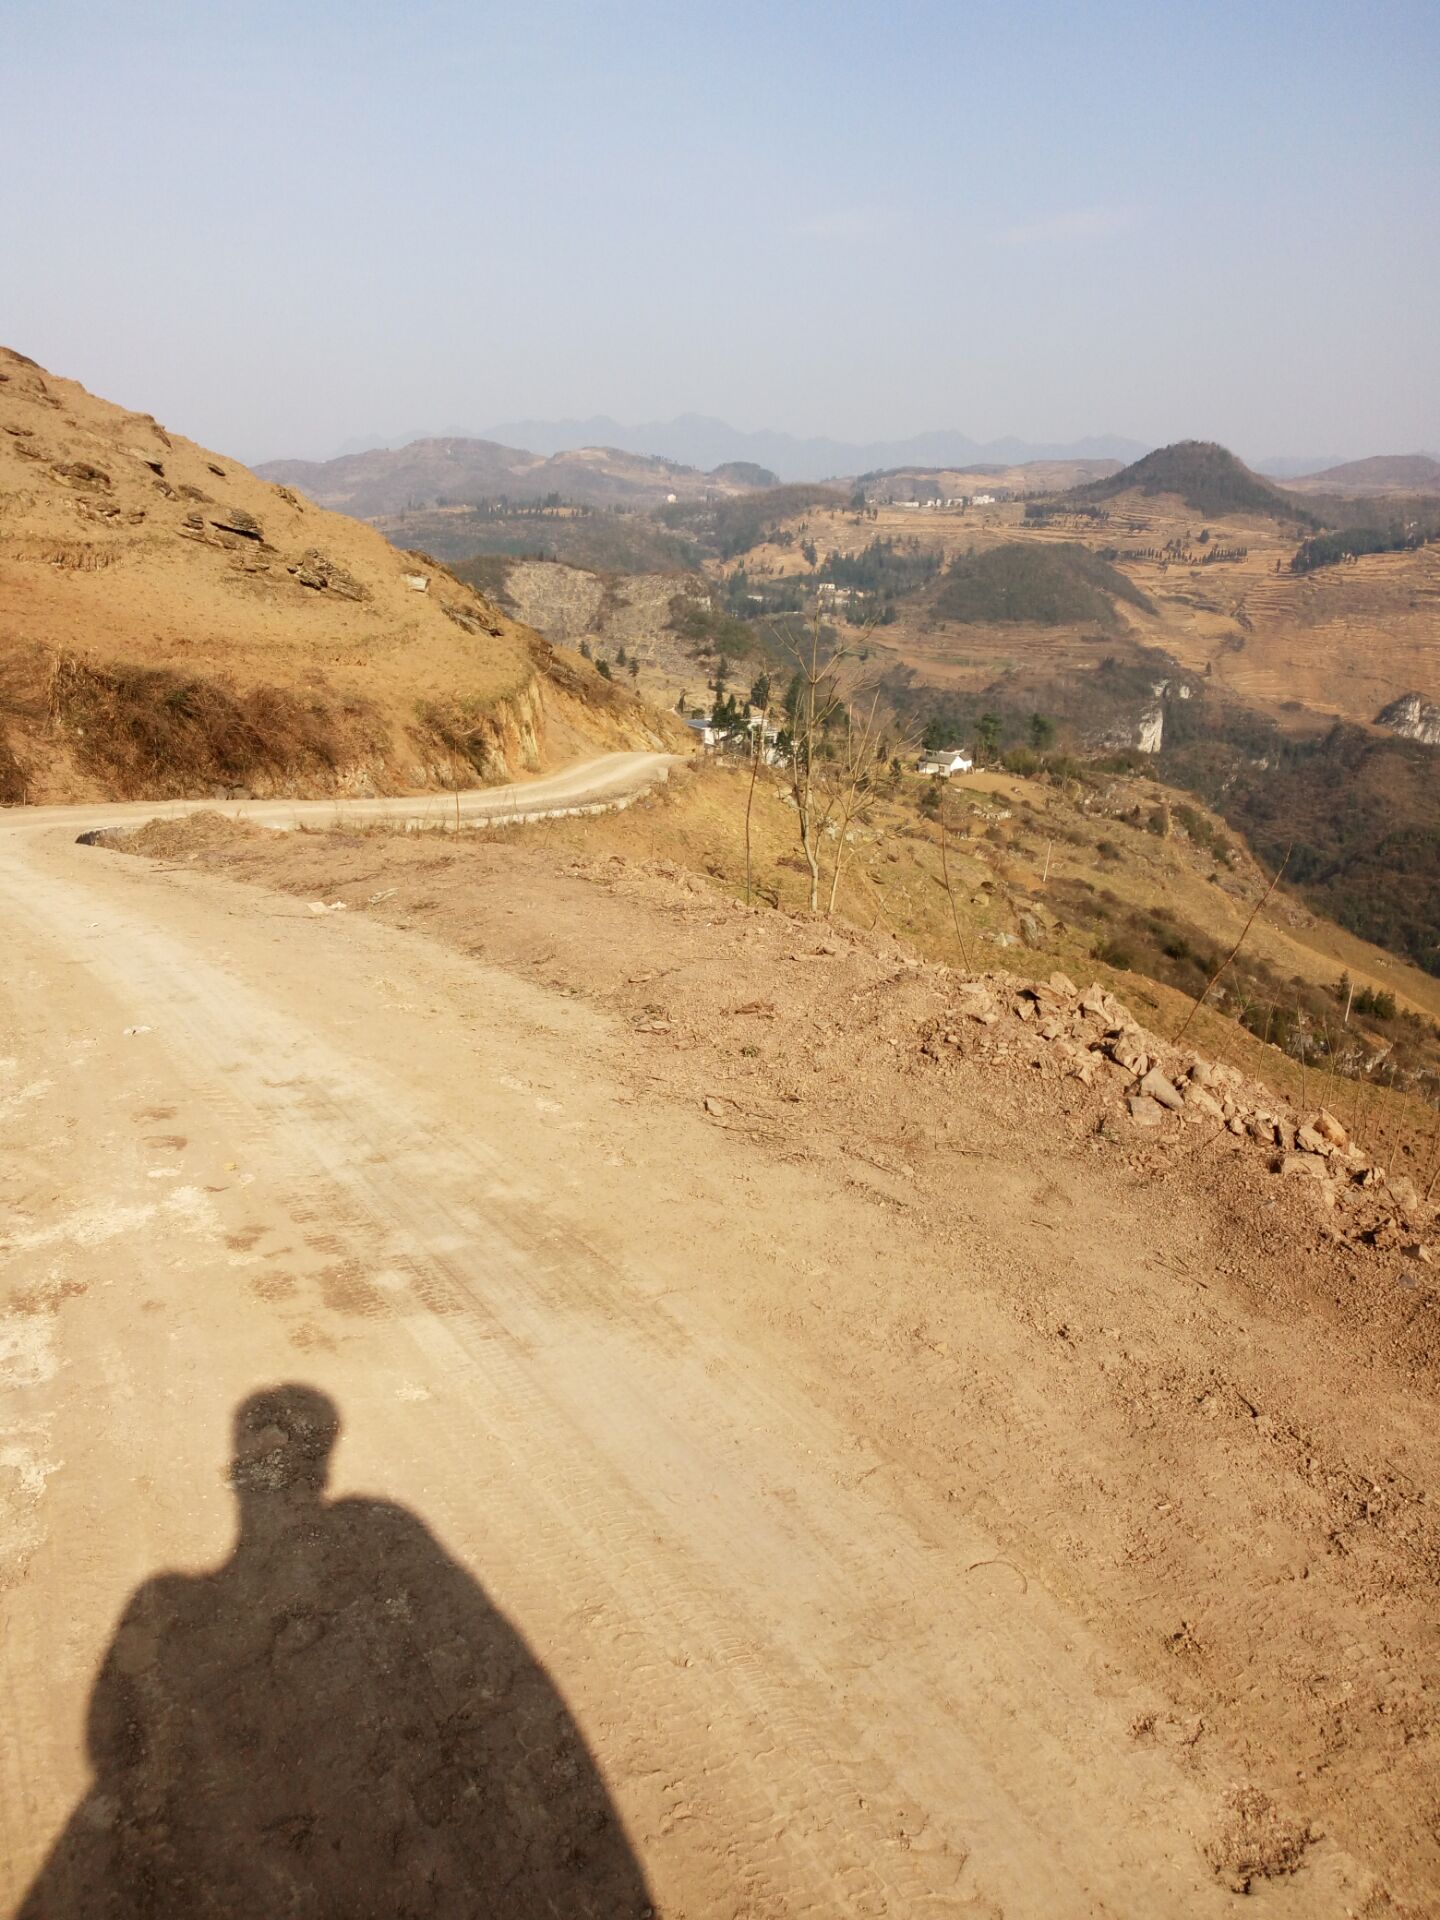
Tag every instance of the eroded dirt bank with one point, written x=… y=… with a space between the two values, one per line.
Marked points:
x=925 y=1489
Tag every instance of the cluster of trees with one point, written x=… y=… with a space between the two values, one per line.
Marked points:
x=729 y=711
x=883 y=569
x=1041 y=513
x=708 y=631
x=1330 y=549
x=601 y=538
x=869 y=583
x=1050 y=585
x=755 y=596
x=727 y=528
x=499 y=506
x=1372 y=1002
x=1178 y=552
x=603 y=666
x=986 y=733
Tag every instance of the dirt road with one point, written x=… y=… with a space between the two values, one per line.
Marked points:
x=609 y=779
x=247 y=1145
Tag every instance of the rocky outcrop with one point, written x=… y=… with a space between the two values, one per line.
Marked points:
x=322 y=575
x=1413 y=718
x=497 y=740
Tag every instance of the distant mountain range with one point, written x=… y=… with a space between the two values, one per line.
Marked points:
x=453 y=472
x=587 y=460
x=696 y=440
x=700 y=441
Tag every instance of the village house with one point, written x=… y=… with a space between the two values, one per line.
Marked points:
x=946 y=764
x=710 y=736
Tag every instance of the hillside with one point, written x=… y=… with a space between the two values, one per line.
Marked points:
x=1051 y=585
x=626 y=620
x=1356 y=815
x=429 y=473
x=1226 y=599
x=617 y=540
x=1204 y=476
x=1030 y=476
x=171 y=624
x=1383 y=473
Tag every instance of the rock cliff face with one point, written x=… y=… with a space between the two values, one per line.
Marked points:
x=1150 y=730
x=1413 y=718
x=460 y=743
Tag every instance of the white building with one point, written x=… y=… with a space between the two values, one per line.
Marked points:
x=945 y=764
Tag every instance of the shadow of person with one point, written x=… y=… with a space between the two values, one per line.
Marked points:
x=336 y=1722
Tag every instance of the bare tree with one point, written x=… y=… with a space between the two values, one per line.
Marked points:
x=817 y=703
x=849 y=775
x=949 y=887
x=757 y=754
x=1204 y=992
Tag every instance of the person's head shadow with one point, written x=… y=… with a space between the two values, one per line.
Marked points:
x=335 y=1722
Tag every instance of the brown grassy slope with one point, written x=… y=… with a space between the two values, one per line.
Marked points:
x=1098 y=888
x=169 y=623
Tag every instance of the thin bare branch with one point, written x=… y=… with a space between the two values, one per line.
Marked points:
x=1206 y=990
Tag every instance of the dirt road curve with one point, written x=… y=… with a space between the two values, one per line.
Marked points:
x=602 y=1607
x=609 y=779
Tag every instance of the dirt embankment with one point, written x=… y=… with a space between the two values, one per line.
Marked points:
x=171 y=625
x=1202 y=1405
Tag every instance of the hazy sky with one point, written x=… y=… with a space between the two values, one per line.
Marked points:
x=280 y=226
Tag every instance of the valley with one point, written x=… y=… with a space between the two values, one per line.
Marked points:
x=1184 y=610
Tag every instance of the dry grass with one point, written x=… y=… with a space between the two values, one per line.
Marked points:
x=145 y=731
x=14 y=779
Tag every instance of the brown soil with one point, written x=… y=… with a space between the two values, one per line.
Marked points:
x=1187 y=1399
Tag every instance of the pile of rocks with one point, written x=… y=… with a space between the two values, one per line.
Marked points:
x=1091 y=1034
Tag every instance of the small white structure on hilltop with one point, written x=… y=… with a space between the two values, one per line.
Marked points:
x=946 y=764
x=983 y=500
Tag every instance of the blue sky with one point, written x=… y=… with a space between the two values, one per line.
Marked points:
x=279 y=227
